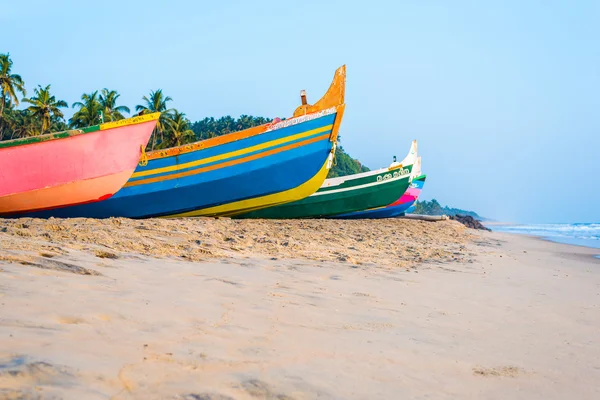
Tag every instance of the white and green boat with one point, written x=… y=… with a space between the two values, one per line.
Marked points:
x=349 y=193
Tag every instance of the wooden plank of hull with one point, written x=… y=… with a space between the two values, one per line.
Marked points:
x=38 y=172
x=426 y=217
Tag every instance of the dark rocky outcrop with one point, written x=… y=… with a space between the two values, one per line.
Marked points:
x=469 y=222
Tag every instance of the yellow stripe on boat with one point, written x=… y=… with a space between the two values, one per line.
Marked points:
x=232 y=154
x=228 y=163
x=130 y=121
x=242 y=206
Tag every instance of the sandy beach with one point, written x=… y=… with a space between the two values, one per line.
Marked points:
x=223 y=309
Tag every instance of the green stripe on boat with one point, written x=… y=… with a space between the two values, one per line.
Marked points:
x=37 y=139
x=65 y=134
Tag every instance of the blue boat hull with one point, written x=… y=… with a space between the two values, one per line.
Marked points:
x=378 y=213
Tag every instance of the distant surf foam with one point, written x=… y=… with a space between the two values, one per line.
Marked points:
x=587 y=235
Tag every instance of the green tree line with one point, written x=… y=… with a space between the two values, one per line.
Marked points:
x=344 y=164
x=43 y=113
x=433 y=207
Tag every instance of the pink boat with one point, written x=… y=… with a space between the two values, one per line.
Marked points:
x=72 y=167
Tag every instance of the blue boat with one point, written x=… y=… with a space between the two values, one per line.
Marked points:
x=283 y=161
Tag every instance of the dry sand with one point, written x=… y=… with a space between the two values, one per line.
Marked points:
x=360 y=242
x=222 y=309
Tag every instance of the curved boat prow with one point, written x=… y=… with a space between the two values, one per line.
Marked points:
x=80 y=166
x=332 y=98
x=410 y=159
x=412 y=156
x=332 y=101
x=416 y=171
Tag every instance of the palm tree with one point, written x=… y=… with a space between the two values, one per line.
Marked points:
x=45 y=106
x=156 y=103
x=10 y=84
x=108 y=102
x=21 y=123
x=178 y=131
x=227 y=125
x=89 y=112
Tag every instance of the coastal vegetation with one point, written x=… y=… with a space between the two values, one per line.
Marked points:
x=344 y=164
x=433 y=207
x=43 y=113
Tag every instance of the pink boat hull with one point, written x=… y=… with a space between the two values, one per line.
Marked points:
x=409 y=196
x=72 y=170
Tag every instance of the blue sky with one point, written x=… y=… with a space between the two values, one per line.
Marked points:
x=503 y=96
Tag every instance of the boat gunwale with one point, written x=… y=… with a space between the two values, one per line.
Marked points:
x=106 y=126
x=338 y=180
x=334 y=190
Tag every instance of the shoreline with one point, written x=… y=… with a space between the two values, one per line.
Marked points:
x=595 y=250
x=474 y=315
x=576 y=250
x=554 y=239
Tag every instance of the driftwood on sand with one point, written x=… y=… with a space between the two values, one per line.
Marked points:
x=421 y=217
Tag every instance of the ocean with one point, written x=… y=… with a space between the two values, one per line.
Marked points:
x=587 y=235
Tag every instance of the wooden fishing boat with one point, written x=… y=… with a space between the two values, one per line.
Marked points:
x=397 y=208
x=73 y=167
x=281 y=161
x=348 y=193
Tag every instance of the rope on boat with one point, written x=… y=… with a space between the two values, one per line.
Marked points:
x=144 y=158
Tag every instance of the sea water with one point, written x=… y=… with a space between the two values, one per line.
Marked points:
x=587 y=235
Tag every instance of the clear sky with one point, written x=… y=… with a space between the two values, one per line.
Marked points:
x=503 y=96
